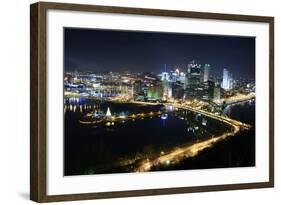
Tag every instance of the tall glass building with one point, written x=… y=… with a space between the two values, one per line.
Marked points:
x=227 y=81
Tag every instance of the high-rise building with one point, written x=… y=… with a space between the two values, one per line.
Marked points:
x=177 y=91
x=167 y=92
x=217 y=93
x=208 y=90
x=174 y=75
x=139 y=89
x=227 y=81
x=165 y=76
x=207 y=70
x=167 y=89
x=182 y=77
x=155 y=92
x=194 y=75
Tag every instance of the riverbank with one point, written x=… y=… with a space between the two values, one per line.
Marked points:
x=143 y=145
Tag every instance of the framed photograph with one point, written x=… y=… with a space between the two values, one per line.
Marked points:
x=133 y=102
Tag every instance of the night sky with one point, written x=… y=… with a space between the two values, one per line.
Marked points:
x=108 y=50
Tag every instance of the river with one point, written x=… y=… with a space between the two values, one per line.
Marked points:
x=101 y=149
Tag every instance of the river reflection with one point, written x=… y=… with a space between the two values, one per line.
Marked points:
x=99 y=149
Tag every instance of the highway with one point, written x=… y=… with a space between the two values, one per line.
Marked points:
x=187 y=151
x=178 y=153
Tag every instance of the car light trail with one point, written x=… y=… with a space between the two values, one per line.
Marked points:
x=188 y=151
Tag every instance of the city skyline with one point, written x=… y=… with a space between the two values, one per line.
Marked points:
x=143 y=101
x=108 y=50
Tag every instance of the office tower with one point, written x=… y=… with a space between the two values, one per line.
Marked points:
x=217 y=93
x=165 y=76
x=155 y=92
x=227 y=80
x=194 y=75
x=207 y=70
x=208 y=90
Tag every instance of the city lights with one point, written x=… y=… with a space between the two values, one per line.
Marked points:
x=149 y=107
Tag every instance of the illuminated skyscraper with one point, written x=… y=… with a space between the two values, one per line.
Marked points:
x=167 y=90
x=227 y=81
x=155 y=92
x=217 y=93
x=165 y=75
x=208 y=90
x=207 y=70
x=182 y=77
x=194 y=75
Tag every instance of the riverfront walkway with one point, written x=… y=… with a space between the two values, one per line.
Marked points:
x=111 y=120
